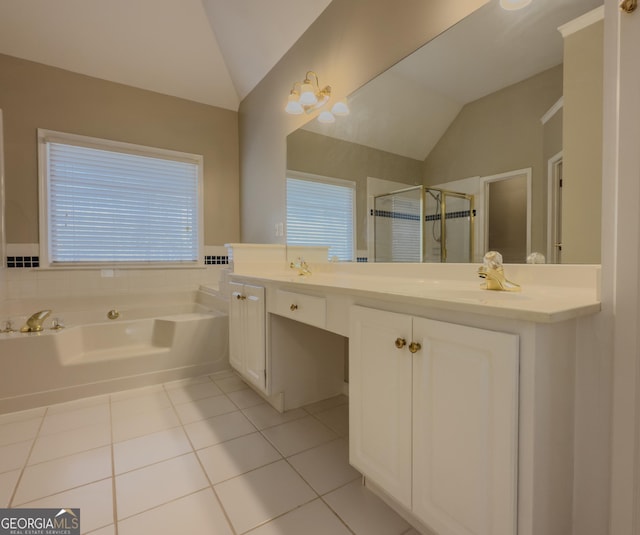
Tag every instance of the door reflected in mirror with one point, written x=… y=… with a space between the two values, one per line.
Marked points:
x=499 y=93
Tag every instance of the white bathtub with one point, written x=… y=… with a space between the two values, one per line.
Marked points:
x=94 y=355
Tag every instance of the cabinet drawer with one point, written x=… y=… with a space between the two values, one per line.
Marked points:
x=304 y=308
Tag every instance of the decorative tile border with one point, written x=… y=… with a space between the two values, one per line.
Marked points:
x=450 y=215
x=34 y=261
x=211 y=260
x=23 y=261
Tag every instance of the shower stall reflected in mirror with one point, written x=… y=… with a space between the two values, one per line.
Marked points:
x=409 y=226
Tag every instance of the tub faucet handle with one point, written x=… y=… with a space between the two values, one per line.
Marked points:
x=8 y=327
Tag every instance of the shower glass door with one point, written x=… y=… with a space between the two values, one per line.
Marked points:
x=458 y=235
x=398 y=226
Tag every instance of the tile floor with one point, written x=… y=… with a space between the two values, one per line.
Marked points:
x=203 y=455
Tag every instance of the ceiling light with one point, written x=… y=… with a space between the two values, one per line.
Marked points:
x=326 y=117
x=340 y=108
x=307 y=96
x=294 y=107
x=512 y=5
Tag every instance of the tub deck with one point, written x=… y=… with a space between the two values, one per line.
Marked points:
x=90 y=358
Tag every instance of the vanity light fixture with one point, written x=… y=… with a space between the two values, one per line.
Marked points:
x=307 y=96
x=512 y=5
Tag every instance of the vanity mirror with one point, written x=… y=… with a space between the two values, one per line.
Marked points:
x=504 y=98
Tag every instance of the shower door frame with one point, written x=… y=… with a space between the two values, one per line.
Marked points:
x=422 y=216
x=443 y=218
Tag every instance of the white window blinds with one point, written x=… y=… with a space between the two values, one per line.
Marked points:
x=321 y=213
x=104 y=205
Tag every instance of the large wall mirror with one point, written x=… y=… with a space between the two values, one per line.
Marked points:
x=500 y=116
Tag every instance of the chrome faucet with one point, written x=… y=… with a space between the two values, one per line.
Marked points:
x=492 y=272
x=34 y=323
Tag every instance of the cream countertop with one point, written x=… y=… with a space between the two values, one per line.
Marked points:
x=550 y=293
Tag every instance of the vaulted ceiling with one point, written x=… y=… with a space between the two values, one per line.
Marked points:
x=208 y=51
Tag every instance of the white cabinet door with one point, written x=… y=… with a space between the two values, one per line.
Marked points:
x=465 y=429
x=236 y=327
x=247 y=349
x=255 y=354
x=380 y=399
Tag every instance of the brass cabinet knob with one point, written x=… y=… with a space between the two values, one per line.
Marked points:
x=414 y=347
x=400 y=343
x=240 y=297
x=293 y=307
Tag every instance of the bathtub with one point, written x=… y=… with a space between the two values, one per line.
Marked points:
x=93 y=355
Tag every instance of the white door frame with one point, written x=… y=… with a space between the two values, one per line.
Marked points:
x=553 y=206
x=620 y=259
x=485 y=180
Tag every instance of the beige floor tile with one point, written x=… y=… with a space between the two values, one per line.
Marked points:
x=78 y=404
x=364 y=512
x=187 y=382
x=325 y=467
x=230 y=372
x=136 y=392
x=314 y=518
x=245 y=398
x=231 y=384
x=13 y=456
x=262 y=495
x=237 y=456
x=264 y=415
x=152 y=401
x=107 y=530
x=158 y=484
x=21 y=416
x=204 y=408
x=48 y=447
x=336 y=418
x=193 y=392
x=94 y=500
x=214 y=430
x=149 y=449
x=74 y=419
x=197 y=513
x=8 y=482
x=19 y=431
x=145 y=423
x=325 y=404
x=299 y=435
x=53 y=477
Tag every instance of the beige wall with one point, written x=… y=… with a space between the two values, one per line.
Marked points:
x=582 y=139
x=499 y=133
x=351 y=42
x=36 y=96
x=321 y=155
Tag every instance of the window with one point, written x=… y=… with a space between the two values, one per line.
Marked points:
x=108 y=202
x=320 y=211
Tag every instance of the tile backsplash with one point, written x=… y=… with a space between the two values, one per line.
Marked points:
x=24 y=278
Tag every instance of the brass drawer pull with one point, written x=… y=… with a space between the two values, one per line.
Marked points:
x=400 y=343
x=414 y=347
x=293 y=307
x=240 y=297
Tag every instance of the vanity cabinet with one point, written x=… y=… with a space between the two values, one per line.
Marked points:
x=434 y=419
x=247 y=333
